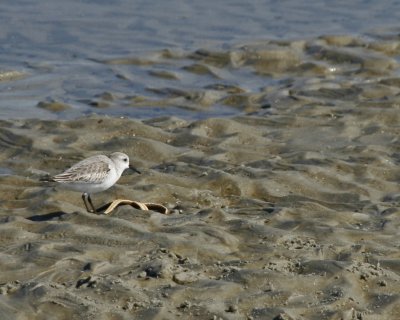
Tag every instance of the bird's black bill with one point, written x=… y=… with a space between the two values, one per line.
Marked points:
x=134 y=169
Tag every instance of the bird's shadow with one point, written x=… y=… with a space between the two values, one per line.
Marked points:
x=58 y=214
x=103 y=209
x=47 y=216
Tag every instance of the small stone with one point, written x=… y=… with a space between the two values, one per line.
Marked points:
x=232 y=309
x=185 y=305
x=156 y=303
x=128 y=306
x=53 y=106
x=185 y=277
x=382 y=283
x=364 y=276
x=282 y=316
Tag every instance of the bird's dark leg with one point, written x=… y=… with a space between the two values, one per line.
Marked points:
x=84 y=196
x=91 y=203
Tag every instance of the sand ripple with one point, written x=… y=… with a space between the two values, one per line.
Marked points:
x=286 y=214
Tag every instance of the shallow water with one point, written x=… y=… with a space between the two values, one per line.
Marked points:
x=58 y=51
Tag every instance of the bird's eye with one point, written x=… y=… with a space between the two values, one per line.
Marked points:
x=125 y=159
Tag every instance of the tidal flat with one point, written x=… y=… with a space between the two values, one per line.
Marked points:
x=287 y=207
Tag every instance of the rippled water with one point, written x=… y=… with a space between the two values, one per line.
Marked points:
x=58 y=49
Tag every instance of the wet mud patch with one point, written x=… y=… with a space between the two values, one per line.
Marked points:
x=266 y=219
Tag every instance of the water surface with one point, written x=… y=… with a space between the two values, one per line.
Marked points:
x=60 y=46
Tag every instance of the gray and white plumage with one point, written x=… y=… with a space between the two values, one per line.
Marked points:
x=94 y=174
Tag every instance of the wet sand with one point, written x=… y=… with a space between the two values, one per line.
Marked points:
x=287 y=210
x=259 y=226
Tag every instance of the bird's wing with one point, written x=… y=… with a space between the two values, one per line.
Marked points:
x=91 y=170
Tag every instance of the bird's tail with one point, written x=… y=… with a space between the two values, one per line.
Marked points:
x=47 y=178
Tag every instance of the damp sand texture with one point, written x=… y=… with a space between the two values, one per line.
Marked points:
x=294 y=215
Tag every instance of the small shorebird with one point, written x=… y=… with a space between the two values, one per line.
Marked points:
x=94 y=174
